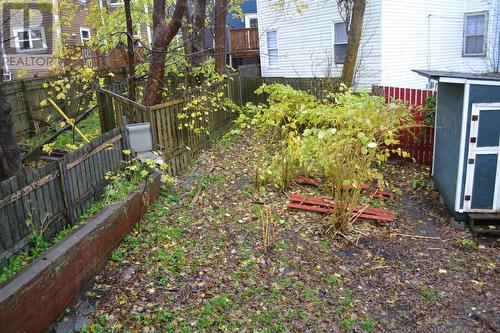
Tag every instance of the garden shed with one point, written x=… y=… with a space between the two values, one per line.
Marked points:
x=466 y=161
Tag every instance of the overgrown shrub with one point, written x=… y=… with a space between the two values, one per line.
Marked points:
x=341 y=140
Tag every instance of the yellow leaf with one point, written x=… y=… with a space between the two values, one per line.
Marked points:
x=144 y=173
x=43 y=103
x=126 y=151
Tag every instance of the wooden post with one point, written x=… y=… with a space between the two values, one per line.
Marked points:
x=63 y=174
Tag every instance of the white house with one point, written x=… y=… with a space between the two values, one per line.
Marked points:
x=398 y=36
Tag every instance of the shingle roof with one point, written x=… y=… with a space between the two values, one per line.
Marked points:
x=472 y=76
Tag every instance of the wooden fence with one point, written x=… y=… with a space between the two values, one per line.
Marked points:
x=25 y=97
x=419 y=142
x=179 y=145
x=315 y=86
x=56 y=194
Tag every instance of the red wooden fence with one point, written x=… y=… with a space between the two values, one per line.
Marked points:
x=419 y=142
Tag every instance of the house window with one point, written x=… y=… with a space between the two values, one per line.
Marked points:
x=251 y=21
x=84 y=34
x=475 y=27
x=272 y=48
x=339 y=42
x=30 y=39
x=115 y=3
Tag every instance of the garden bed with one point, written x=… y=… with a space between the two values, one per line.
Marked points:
x=34 y=298
x=202 y=266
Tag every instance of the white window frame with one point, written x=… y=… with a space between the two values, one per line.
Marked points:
x=277 y=48
x=119 y=3
x=16 y=31
x=336 y=43
x=249 y=17
x=82 y=29
x=485 y=34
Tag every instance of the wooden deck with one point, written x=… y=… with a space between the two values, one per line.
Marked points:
x=244 y=42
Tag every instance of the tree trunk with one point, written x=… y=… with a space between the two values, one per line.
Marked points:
x=130 y=52
x=193 y=35
x=221 y=7
x=162 y=36
x=10 y=157
x=353 y=40
x=199 y=22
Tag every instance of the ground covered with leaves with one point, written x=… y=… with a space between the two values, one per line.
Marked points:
x=198 y=261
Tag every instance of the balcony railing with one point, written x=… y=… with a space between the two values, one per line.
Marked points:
x=244 y=42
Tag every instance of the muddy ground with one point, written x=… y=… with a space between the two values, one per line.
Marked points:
x=197 y=263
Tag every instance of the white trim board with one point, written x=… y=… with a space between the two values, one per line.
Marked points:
x=473 y=152
x=468 y=81
x=463 y=134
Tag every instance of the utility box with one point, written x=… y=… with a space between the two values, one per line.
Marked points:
x=466 y=163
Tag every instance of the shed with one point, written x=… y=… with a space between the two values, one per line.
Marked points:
x=466 y=159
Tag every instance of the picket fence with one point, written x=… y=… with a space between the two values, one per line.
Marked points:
x=419 y=141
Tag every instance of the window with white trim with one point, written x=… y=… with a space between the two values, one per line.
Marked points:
x=115 y=3
x=29 y=39
x=339 y=42
x=84 y=34
x=272 y=49
x=475 y=28
x=251 y=21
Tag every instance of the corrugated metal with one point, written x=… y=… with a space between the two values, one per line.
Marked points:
x=305 y=41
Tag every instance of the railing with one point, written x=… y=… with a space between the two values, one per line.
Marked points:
x=85 y=56
x=244 y=42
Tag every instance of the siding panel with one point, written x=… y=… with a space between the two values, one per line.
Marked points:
x=425 y=34
x=305 y=40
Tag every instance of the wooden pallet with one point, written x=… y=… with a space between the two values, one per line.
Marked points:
x=319 y=205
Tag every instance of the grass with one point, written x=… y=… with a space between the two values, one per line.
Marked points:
x=118 y=189
x=429 y=294
x=91 y=127
x=348 y=323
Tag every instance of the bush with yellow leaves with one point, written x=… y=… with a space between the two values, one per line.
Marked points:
x=341 y=140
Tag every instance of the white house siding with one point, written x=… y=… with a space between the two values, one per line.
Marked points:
x=428 y=34
x=305 y=41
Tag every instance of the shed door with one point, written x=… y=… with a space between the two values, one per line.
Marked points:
x=482 y=187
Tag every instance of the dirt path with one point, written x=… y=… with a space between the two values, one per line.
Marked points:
x=201 y=266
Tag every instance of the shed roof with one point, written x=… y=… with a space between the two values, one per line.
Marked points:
x=435 y=75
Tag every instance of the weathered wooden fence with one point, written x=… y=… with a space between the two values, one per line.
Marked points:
x=419 y=142
x=179 y=145
x=56 y=194
x=316 y=86
x=25 y=97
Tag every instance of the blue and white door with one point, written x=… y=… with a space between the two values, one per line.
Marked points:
x=482 y=187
